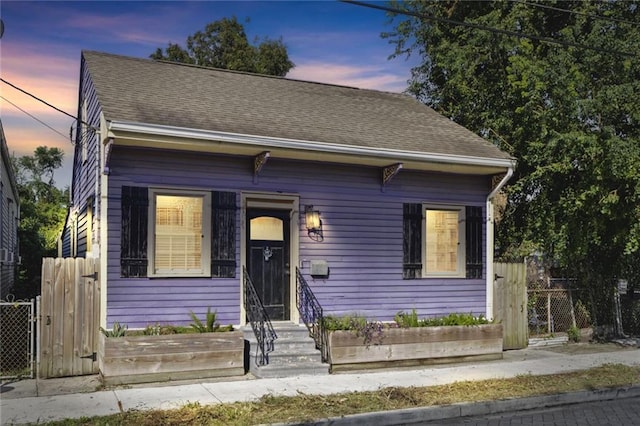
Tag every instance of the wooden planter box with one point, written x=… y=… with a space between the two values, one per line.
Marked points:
x=415 y=346
x=140 y=359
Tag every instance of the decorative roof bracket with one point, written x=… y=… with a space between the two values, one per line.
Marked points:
x=389 y=173
x=258 y=163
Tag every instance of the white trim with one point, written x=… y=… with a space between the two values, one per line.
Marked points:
x=268 y=200
x=205 y=255
x=304 y=145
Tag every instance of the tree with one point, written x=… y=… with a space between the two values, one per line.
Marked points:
x=43 y=210
x=567 y=113
x=224 y=44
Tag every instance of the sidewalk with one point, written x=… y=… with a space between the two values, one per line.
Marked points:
x=32 y=401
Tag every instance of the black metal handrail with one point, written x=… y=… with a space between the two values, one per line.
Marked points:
x=311 y=313
x=259 y=320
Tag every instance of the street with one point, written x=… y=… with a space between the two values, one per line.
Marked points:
x=614 y=412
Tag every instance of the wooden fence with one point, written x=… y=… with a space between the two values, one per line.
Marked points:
x=69 y=317
x=510 y=303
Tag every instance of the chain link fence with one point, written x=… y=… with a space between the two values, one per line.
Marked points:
x=17 y=338
x=555 y=310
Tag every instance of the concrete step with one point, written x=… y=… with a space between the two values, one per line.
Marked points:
x=294 y=353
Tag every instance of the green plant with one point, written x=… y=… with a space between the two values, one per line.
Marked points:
x=151 y=330
x=370 y=331
x=574 y=334
x=406 y=320
x=411 y=320
x=210 y=325
x=117 y=330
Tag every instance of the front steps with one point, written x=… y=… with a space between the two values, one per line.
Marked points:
x=294 y=353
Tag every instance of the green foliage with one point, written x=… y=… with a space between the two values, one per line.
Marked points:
x=574 y=334
x=568 y=115
x=344 y=322
x=404 y=320
x=210 y=325
x=43 y=209
x=370 y=331
x=117 y=330
x=631 y=315
x=224 y=44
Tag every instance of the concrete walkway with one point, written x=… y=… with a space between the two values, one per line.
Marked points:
x=33 y=401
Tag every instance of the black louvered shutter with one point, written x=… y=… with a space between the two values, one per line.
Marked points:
x=474 y=222
x=223 y=240
x=133 y=247
x=412 y=241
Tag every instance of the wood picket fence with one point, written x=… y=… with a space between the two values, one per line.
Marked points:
x=69 y=317
x=510 y=303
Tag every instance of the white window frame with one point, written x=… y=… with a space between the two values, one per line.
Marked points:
x=461 y=253
x=205 y=271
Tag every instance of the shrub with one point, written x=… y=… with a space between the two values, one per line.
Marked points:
x=117 y=330
x=370 y=331
x=411 y=320
x=574 y=334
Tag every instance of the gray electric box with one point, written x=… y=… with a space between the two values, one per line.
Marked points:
x=319 y=268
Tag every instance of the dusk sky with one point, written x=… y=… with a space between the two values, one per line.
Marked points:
x=328 y=41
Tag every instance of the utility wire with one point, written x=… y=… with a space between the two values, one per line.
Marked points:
x=575 y=12
x=485 y=28
x=34 y=117
x=47 y=104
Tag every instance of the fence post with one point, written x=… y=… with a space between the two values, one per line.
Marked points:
x=573 y=314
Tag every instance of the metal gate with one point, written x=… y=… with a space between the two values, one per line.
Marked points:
x=17 y=338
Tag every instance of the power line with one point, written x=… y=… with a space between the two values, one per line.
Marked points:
x=485 y=28
x=48 y=104
x=34 y=117
x=575 y=12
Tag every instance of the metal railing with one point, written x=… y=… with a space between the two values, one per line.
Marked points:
x=311 y=313
x=259 y=320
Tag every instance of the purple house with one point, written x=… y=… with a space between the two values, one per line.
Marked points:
x=191 y=183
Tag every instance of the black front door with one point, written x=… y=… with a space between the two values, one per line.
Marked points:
x=268 y=259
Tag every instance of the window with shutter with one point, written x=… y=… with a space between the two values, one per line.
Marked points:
x=133 y=245
x=474 y=225
x=223 y=241
x=174 y=233
x=412 y=241
x=180 y=233
x=442 y=241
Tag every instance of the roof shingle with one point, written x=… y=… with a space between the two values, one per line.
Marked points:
x=163 y=93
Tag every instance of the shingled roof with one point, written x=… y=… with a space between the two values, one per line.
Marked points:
x=184 y=96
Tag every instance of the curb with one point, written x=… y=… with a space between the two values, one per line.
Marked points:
x=465 y=409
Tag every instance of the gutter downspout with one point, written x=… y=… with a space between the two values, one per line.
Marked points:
x=490 y=241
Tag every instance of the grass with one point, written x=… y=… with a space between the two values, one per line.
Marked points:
x=300 y=408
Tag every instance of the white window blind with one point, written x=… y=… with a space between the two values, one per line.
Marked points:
x=178 y=233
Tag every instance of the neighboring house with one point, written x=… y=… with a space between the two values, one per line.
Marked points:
x=9 y=216
x=184 y=176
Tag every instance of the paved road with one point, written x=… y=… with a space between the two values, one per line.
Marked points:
x=618 y=412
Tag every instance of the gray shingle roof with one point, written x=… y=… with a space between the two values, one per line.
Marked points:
x=152 y=92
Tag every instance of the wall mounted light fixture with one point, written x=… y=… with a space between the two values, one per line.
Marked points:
x=313 y=223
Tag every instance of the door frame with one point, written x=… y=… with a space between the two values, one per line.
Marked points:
x=276 y=201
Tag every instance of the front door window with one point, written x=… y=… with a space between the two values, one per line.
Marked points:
x=268 y=260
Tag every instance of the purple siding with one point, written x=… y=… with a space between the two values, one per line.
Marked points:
x=362 y=230
x=86 y=171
